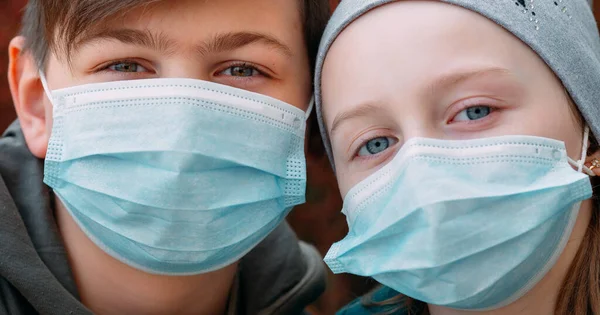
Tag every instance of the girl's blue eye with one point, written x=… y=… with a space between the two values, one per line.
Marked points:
x=473 y=113
x=127 y=67
x=241 y=71
x=376 y=146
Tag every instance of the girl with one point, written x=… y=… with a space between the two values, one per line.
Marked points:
x=460 y=134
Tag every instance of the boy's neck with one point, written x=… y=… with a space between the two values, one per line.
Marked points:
x=107 y=286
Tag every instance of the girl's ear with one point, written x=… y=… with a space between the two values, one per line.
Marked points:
x=593 y=162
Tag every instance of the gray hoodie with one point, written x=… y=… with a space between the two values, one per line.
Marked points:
x=279 y=276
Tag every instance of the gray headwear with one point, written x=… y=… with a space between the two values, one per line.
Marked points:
x=562 y=32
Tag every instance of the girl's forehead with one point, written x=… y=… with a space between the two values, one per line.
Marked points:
x=561 y=34
x=418 y=21
x=450 y=40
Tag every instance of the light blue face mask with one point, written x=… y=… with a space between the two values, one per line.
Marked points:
x=175 y=176
x=465 y=224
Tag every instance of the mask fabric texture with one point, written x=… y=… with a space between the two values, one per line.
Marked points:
x=469 y=224
x=175 y=176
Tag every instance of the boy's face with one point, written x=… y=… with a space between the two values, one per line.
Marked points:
x=438 y=71
x=256 y=45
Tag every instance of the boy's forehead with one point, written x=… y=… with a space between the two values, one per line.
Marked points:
x=208 y=25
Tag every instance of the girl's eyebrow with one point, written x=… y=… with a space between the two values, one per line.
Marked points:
x=446 y=82
x=361 y=110
x=441 y=83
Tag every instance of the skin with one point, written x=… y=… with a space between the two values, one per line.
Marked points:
x=106 y=285
x=429 y=63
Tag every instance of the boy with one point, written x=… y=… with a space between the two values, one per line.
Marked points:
x=161 y=125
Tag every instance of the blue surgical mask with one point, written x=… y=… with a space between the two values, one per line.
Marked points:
x=469 y=224
x=175 y=176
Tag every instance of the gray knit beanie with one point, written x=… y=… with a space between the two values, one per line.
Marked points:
x=562 y=32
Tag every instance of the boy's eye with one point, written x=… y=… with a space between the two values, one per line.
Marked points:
x=241 y=71
x=127 y=67
x=473 y=113
x=376 y=146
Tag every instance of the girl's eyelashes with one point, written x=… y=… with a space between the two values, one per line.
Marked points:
x=375 y=146
x=473 y=113
x=470 y=115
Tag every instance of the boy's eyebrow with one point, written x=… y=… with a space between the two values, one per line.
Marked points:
x=231 y=41
x=145 y=38
x=161 y=42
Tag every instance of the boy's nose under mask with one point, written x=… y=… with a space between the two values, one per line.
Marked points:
x=175 y=176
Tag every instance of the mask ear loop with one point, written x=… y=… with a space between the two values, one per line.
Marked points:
x=584 y=148
x=309 y=110
x=45 y=85
x=581 y=163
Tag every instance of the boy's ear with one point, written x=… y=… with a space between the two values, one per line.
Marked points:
x=28 y=97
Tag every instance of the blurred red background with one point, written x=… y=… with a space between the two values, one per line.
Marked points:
x=10 y=14
x=319 y=221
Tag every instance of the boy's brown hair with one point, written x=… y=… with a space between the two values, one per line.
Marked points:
x=42 y=18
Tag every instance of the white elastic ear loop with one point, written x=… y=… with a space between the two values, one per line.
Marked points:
x=311 y=105
x=584 y=147
x=46 y=88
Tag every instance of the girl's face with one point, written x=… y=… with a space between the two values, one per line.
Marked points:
x=429 y=69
